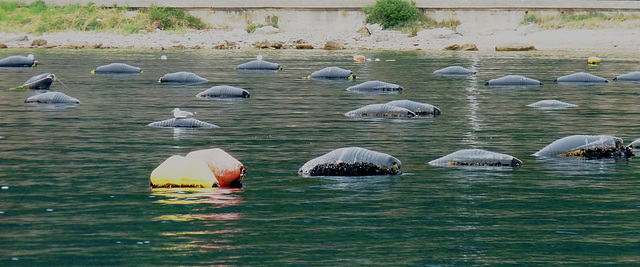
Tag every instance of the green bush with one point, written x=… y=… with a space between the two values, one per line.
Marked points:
x=392 y=13
x=169 y=18
x=529 y=19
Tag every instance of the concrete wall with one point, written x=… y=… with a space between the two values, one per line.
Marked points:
x=358 y=4
x=340 y=15
x=287 y=19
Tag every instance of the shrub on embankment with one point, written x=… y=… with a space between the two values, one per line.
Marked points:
x=404 y=16
x=38 y=17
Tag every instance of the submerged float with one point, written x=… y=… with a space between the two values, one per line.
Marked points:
x=629 y=77
x=223 y=91
x=259 y=65
x=182 y=77
x=586 y=146
x=352 y=161
x=117 y=68
x=396 y=109
x=420 y=109
x=182 y=123
x=381 y=110
x=454 y=71
x=333 y=73
x=52 y=98
x=581 y=77
x=42 y=81
x=513 y=80
x=551 y=104
x=376 y=87
x=201 y=168
x=19 y=61
x=477 y=157
x=635 y=144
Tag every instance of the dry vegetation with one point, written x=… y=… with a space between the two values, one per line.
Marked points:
x=584 y=20
x=38 y=17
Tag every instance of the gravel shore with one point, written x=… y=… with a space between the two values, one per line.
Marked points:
x=365 y=37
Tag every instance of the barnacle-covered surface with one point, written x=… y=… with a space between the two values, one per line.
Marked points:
x=375 y=87
x=182 y=123
x=42 y=81
x=477 y=157
x=586 y=146
x=381 y=110
x=352 y=161
x=420 y=109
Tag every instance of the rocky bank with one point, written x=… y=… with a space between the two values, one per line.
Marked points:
x=364 y=37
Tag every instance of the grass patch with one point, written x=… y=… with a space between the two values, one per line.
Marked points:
x=404 y=16
x=253 y=27
x=38 y=18
x=168 y=18
x=583 y=20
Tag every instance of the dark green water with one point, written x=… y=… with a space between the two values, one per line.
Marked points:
x=75 y=179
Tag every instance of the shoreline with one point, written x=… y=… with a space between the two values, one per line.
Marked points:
x=364 y=37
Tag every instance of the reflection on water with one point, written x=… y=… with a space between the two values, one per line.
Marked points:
x=206 y=204
x=581 y=167
x=217 y=197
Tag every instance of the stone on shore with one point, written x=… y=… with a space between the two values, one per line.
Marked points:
x=516 y=48
x=2 y=45
x=225 y=45
x=262 y=44
x=469 y=47
x=452 y=47
x=276 y=45
x=332 y=45
x=362 y=33
x=464 y=47
x=304 y=46
x=39 y=42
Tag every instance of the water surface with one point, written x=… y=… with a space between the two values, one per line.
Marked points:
x=75 y=178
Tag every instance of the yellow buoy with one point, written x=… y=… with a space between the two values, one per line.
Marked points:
x=594 y=60
x=179 y=171
x=359 y=58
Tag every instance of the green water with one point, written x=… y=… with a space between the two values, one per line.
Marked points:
x=75 y=178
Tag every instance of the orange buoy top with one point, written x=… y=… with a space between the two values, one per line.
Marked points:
x=228 y=170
